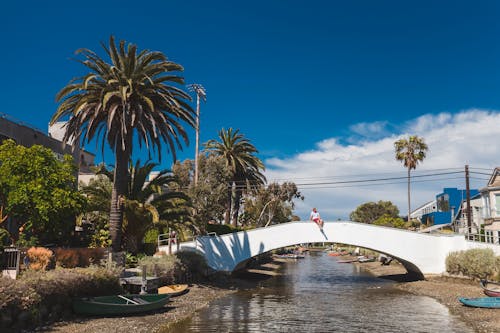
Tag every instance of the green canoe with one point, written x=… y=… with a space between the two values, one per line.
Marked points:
x=119 y=304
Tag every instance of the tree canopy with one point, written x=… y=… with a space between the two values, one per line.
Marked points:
x=371 y=211
x=38 y=192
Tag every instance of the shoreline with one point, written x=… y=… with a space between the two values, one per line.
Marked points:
x=177 y=309
x=443 y=289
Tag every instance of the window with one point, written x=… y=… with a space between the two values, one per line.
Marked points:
x=443 y=203
x=486 y=206
x=497 y=204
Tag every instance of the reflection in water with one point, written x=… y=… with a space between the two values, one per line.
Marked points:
x=317 y=294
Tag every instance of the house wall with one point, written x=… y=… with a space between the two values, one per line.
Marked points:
x=27 y=136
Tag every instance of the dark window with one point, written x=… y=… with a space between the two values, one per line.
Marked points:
x=443 y=203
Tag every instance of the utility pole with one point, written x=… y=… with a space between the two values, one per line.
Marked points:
x=467 y=194
x=200 y=93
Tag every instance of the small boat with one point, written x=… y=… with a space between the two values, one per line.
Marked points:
x=366 y=259
x=491 y=289
x=289 y=256
x=174 y=289
x=346 y=261
x=119 y=304
x=481 y=302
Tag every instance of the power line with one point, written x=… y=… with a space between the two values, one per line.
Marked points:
x=415 y=172
x=381 y=184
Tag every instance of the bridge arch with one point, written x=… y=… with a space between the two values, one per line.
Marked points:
x=420 y=253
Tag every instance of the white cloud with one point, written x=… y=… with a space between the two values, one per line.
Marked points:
x=454 y=140
x=375 y=130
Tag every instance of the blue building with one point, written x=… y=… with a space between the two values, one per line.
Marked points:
x=448 y=206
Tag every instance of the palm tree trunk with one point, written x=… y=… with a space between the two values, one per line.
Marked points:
x=409 y=208
x=227 y=216
x=117 y=197
x=236 y=208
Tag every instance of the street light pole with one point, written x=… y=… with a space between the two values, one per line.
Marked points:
x=200 y=93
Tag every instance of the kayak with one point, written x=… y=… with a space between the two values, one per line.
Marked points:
x=119 y=304
x=173 y=289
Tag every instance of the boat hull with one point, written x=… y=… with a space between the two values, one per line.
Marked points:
x=481 y=302
x=174 y=290
x=490 y=289
x=118 y=304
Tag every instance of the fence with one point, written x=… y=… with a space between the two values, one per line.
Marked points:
x=11 y=262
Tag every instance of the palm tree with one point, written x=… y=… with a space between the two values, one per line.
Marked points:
x=145 y=200
x=244 y=166
x=410 y=151
x=121 y=101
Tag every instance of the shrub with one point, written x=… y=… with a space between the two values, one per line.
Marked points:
x=165 y=267
x=40 y=296
x=39 y=258
x=479 y=263
x=16 y=294
x=194 y=263
x=475 y=263
x=453 y=261
x=78 y=257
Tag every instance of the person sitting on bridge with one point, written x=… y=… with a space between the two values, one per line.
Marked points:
x=316 y=218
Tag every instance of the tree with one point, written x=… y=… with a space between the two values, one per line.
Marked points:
x=146 y=201
x=121 y=101
x=410 y=151
x=38 y=193
x=371 y=211
x=98 y=193
x=209 y=196
x=274 y=202
x=244 y=167
x=390 y=221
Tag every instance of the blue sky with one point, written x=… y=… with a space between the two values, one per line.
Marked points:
x=298 y=78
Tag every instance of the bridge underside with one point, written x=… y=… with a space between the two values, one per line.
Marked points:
x=412 y=271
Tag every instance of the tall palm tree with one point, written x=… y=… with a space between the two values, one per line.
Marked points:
x=410 y=151
x=130 y=98
x=244 y=166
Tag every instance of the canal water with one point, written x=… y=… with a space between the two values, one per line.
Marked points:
x=317 y=294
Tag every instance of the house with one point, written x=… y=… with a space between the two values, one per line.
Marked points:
x=490 y=196
x=448 y=206
x=85 y=159
x=426 y=208
x=28 y=136
x=461 y=224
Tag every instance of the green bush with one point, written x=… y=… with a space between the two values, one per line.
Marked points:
x=151 y=241
x=475 y=263
x=194 y=263
x=480 y=263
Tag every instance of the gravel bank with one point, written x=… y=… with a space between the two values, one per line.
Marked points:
x=445 y=290
x=179 y=308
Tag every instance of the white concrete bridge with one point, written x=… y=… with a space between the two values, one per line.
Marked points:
x=420 y=253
